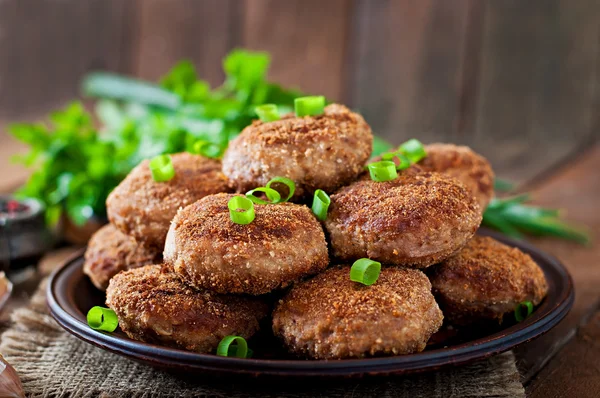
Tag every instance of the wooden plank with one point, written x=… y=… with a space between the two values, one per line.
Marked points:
x=575 y=371
x=537 y=83
x=576 y=190
x=408 y=59
x=306 y=38
x=201 y=31
x=47 y=46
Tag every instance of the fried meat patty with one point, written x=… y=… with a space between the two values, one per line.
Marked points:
x=154 y=306
x=283 y=244
x=144 y=208
x=331 y=317
x=486 y=280
x=462 y=163
x=110 y=251
x=316 y=152
x=417 y=219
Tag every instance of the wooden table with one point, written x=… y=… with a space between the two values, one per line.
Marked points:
x=566 y=361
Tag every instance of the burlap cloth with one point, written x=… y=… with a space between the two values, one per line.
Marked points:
x=52 y=363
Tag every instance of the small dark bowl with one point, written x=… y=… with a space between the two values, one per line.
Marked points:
x=24 y=236
x=70 y=295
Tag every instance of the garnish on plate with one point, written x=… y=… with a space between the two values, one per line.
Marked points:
x=234 y=346
x=384 y=170
x=162 y=168
x=320 y=205
x=241 y=210
x=100 y=318
x=309 y=106
x=267 y=112
x=365 y=271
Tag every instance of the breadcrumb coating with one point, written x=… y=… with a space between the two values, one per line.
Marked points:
x=144 y=208
x=462 y=163
x=316 y=152
x=283 y=244
x=486 y=280
x=110 y=251
x=154 y=306
x=417 y=219
x=331 y=317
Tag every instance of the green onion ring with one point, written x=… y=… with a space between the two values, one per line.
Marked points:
x=320 y=205
x=272 y=195
x=365 y=271
x=246 y=216
x=267 y=112
x=232 y=350
x=241 y=350
x=287 y=182
x=100 y=318
x=413 y=149
x=309 y=106
x=526 y=306
x=207 y=149
x=384 y=170
x=162 y=168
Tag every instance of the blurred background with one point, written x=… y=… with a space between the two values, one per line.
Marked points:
x=516 y=80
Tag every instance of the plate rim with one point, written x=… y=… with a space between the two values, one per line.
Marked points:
x=496 y=343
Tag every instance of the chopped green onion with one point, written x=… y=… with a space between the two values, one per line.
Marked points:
x=309 y=106
x=241 y=210
x=100 y=318
x=365 y=271
x=523 y=310
x=162 y=168
x=403 y=161
x=287 y=182
x=384 y=170
x=232 y=351
x=267 y=112
x=272 y=195
x=320 y=205
x=207 y=149
x=413 y=149
x=241 y=350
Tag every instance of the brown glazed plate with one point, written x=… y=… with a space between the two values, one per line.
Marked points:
x=70 y=295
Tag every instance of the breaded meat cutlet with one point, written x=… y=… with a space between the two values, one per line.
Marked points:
x=316 y=152
x=462 y=163
x=144 y=208
x=485 y=281
x=331 y=317
x=283 y=244
x=416 y=220
x=154 y=306
x=110 y=251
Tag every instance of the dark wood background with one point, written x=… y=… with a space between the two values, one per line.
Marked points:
x=517 y=80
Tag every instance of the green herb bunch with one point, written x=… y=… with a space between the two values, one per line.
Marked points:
x=77 y=165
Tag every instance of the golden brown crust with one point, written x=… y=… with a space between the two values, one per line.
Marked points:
x=462 y=163
x=418 y=219
x=154 y=306
x=144 y=208
x=331 y=317
x=486 y=280
x=283 y=244
x=316 y=152
x=110 y=251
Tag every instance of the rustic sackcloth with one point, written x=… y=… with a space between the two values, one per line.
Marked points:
x=52 y=363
